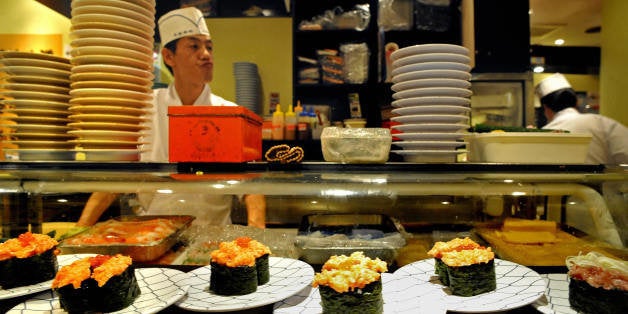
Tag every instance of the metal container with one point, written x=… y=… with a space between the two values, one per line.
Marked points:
x=322 y=235
x=141 y=252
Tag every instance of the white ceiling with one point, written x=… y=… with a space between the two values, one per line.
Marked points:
x=566 y=19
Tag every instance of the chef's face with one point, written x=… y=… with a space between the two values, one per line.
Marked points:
x=193 y=59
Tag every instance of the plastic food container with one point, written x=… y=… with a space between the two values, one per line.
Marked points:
x=322 y=235
x=140 y=252
x=356 y=145
x=214 y=134
x=528 y=147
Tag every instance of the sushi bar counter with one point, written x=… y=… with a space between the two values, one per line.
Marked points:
x=417 y=233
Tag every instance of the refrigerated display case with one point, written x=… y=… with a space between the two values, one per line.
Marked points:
x=502 y=99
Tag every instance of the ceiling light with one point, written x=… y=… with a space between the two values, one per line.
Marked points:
x=538 y=69
x=559 y=42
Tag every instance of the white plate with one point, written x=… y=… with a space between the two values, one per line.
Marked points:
x=429 y=101
x=160 y=288
x=65 y=66
x=429 y=156
x=137 y=27
x=454 y=66
x=428 y=48
x=147 y=7
x=429 y=136
x=62 y=260
x=111 y=126
x=431 y=118
x=287 y=277
x=99 y=117
x=28 y=112
x=33 y=154
x=112 y=101
x=110 y=77
x=556 y=298
x=105 y=134
x=400 y=295
x=35 y=104
x=112 y=51
x=36 y=95
x=110 y=42
x=112 y=68
x=98 y=30
x=431 y=57
x=36 y=88
x=432 y=74
x=436 y=82
x=430 y=145
x=108 y=110
x=37 y=79
x=431 y=127
x=145 y=17
x=107 y=92
x=33 y=55
x=113 y=60
x=113 y=84
x=517 y=286
x=31 y=70
x=433 y=109
x=433 y=91
x=107 y=154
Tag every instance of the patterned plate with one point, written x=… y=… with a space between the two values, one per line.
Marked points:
x=287 y=277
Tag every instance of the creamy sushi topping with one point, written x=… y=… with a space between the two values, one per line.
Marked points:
x=347 y=273
x=100 y=268
x=468 y=257
x=240 y=252
x=26 y=245
x=456 y=244
x=599 y=270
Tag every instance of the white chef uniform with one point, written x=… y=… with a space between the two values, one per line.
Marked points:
x=207 y=208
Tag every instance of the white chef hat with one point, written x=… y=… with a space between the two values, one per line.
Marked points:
x=551 y=84
x=182 y=22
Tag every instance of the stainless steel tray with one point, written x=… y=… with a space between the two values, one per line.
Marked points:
x=143 y=252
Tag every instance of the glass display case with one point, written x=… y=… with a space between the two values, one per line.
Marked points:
x=427 y=202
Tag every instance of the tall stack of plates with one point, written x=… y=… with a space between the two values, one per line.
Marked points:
x=35 y=93
x=248 y=87
x=431 y=97
x=111 y=79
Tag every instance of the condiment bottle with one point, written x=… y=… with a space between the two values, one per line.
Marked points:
x=278 y=123
x=303 y=126
x=290 y=124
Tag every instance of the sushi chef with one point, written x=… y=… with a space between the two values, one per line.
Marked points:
x=187 y=51
x=609 y=143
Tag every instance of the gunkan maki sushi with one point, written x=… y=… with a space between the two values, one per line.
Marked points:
x=100 y=283
x=440 y=247
x=351 y=284
x=597 y=284
x=470 y=272
x=28 y=259
x=239 y=266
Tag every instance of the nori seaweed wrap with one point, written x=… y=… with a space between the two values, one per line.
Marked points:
x=366 y=300
x=441 y=270
x=472 y=279
x=238 y=280
x=585 y=298
x=351 y=284
x=598 y=284
x=28 y=259
x=456 y=244
x=103 y=290
x=263 y=269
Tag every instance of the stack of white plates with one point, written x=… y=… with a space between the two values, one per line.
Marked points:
x=112 y=76
x=432 y=101
x=35 y=93
x=248 y=87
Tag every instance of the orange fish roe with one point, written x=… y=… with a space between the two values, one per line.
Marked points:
x=347 y=273
x=240 y=252
x=104 y=267
x=456 y=244
x=468 y=257
x=26 y=245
